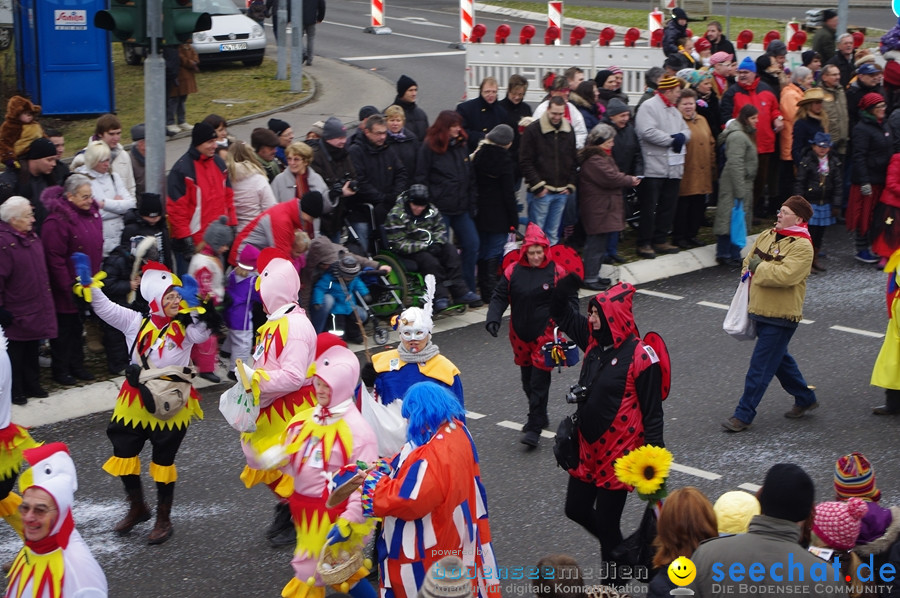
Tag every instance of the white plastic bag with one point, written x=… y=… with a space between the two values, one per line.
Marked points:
x=387 y=422
x=737 y=321
x=237 y=403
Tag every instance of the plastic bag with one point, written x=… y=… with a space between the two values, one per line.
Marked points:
x=737 y=321
x=738 y=224
x=238 y=404
x=387 y=422
x=511 y=244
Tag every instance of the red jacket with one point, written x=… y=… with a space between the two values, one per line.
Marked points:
x=273 y=228
x=760 y=95
x=197 y=192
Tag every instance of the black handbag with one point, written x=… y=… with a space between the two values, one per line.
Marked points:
x=565 y=446
x=637 y=549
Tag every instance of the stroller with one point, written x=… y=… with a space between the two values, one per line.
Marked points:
x=380 y=333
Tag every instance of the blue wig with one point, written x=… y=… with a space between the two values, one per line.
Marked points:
x=427 y=406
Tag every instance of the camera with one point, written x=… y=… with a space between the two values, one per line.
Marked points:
x=577 y=394
x=338 y=186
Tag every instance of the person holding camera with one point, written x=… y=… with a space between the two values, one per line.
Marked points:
x=619 y=397
x=331 y=159
x=416 y=231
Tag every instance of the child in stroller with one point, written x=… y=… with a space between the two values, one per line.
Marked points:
x=335 y=295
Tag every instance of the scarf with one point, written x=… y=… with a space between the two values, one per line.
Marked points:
x=136 y=155
x=399 y=135
x=823 y=165
x=302 y=185
x=430 y=350
x=801 y=230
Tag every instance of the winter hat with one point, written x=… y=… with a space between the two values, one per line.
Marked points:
x=218 y=233
x=501 y=135
x=799 y=206
x=278 y=126
x=678 y=13
x=333 y=129
x=747 y=64
x=776 y=48
x=855 y=476
x=600 y=134
x=720 y=57
x=821 y=139
x=447 y=578
x=734 y=510
x=616 y=106
x=367 y=111
x=615 y=70
x=601 y=77
x=404 y=83
x=138 y=132
x=869 y=68
x=763 y=63
x=150 y=205
x=813 y=94
x=787 y=492
x=202 y=133
x=670 y=83
x=348 y=267
x=248 y=257
x=808 y=56
x=870 y=100
x=40 y=148
x=702 y=45
x=892 y=73
x=837 y=523
x=418 y=195
x=311 y=203
x=828 y=14
x=673 y=62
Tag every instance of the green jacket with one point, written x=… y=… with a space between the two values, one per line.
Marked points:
x=411 y=234
x=778 y=287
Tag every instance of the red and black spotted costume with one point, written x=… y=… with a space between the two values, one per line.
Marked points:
x=527 y=290
x=622 y=410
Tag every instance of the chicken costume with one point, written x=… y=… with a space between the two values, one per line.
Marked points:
x=285 y=350
x=13 y=440
x=432 y=500
x=164 y=341
x=61 y=564
x=320 y=441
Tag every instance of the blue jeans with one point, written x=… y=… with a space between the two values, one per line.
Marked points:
x=467 y=240
x=318 y=314
x=363 y=231
x=725 y=249
x=547 y=213
x=491 y=245
x=771 y=358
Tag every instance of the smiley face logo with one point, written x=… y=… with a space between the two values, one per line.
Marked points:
x=682 y=571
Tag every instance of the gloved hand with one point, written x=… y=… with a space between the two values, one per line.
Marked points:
x=6 y=318
x=866 y=189
x=189 y=288
x=755 y=261
x=183 y=246
x=677 y=142
x=339 y=532
x=568 y=285
x=492 y=328
x=368 y=374
x=84 y=281
x=342 y=476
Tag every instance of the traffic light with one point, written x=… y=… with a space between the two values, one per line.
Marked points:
x=180 y=21
x=126 y=19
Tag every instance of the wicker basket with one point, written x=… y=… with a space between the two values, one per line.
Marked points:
x=338 y=571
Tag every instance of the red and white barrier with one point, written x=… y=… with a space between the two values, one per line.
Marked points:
x=377 y=25
x=555 y=17
x=790 y=28
x=466 y=19
x=655 y=20
x=671 y=5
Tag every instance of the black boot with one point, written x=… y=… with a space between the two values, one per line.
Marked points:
x=138 y=511
x=488 y=275
x=281 y=521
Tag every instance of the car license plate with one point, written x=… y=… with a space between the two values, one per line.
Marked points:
x=232 y=47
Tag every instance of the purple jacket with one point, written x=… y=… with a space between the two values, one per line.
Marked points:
x=239 y=313
x=25 y=286
x=68 y=230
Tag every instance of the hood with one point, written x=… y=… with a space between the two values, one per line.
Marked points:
x=732 y=126
x=338 y=367
x=53 y=471
x=156 y=280
x=615 y=304
x=52 y=197
x=244 y=170
x=534 y=236
x=17 y=105
x=278 y=283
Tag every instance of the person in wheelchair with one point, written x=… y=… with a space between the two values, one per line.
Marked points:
x=335 y=293
x=416 y=232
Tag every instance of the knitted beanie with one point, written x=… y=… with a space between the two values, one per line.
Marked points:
x=278 y=126
x=787 y=492
x=855 y=476
x=218 y=233
x=404 y=83
x=747 y=64
x=838 y=523
x=734 y=510
x=202 y=133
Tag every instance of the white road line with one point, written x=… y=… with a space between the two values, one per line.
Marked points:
x=395 y=34
x=394 y=56
x=474 y=415
x=660 y=295
x=711 y=304
x=548 y=434
x=706 y=475
x=511 y=425
x=750 y=487
x=805 y=321
x=858 y=331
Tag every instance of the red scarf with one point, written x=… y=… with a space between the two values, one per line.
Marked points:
x=800 y=230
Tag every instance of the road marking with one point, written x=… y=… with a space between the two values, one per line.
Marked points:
x=518 y=428
x=422 y=21
x=474 y=415
x=706 y=475
x=805 y=321
x=716 y=305
x=658 y=294
x=395 y=56
x=858 y=331
x=395 y=34
x=548 y=434
x=750 y=487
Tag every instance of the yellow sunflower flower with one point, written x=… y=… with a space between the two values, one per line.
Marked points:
x=646 y=468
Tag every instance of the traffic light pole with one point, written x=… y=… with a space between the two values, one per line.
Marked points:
x=280 y=29
x=297 y=45
x=155 y=104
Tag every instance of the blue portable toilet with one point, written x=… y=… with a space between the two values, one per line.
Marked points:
x=63 y=62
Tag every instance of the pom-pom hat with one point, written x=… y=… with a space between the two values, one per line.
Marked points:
x=837 y=523
x=855 y=476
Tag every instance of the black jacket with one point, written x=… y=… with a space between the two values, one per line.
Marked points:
x=20 y=182
x=335 y=166
x=854 y=94
x=407 y=149
x=627 y=149
x=871 y=146
x=479 y=118
x=528 y=291
x=671 y=35
x=495 y=182
x=804 y=130
x=449 y=178
x=816 y=188
x=723 y=45
x=845 y=65
x=137 y=228
x=380 y=174
x=117 y=283
x=416 y=119
x=516 y=112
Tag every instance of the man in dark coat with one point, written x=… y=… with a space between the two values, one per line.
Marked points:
x=717 y=40
x=38 y=171
x=676 y=28
x=869 y=78
x=416 y=119
x=332 y=162
x=380 y=174
x=823 y=40
x=482 y=114
x=843 y=59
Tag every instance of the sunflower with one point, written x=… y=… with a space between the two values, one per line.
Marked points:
x=646 y=468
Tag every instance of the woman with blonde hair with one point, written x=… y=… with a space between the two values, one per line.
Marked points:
x=686 y=519
x=405 y=143
x=252 y=193
x=110 y=192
